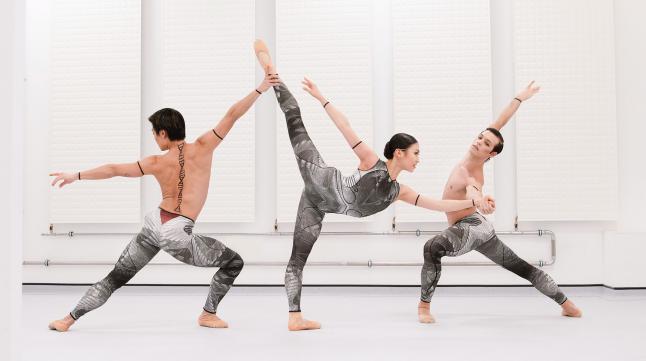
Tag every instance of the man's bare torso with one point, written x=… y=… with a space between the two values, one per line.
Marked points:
x=456 y=188
x=183 y=192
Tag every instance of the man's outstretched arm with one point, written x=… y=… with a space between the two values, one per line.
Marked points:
x=106 y=171
x=212 y=138
x=514 y=104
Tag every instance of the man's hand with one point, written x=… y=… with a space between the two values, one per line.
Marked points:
x=487 y=205
x=269 y=81
x=528 y=92
x=67 y=178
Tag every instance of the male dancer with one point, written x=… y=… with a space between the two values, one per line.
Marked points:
x=183 y=174
x=471 y=231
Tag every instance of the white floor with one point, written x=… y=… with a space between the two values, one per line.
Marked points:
x=359 y=323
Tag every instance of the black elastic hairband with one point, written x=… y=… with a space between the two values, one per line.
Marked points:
x=141 y=169
x=518 y=100
x=416 y=199
x=325 y=105
x=217 y=135
x=258 y=91
x=79 y=175
x=361 y=141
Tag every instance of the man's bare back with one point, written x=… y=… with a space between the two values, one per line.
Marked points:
x=183 y=174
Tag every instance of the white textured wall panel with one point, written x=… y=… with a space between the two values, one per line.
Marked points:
x=567 y=137
x=208 y=65
x=95 y=107
x=330 y=42
x=442 y=89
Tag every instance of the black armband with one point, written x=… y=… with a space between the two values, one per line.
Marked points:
x=216 y=134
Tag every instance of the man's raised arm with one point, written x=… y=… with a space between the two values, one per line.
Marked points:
x=212 y=138
x=509 y=111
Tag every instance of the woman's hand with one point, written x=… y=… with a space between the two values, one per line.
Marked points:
x=528 y=92
x=487 y=205
x=310 y=87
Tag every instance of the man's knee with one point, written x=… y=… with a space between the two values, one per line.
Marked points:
x=434 y=247
x=117 y=278
x=235 y=264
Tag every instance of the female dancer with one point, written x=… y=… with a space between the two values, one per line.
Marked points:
x=371 y=189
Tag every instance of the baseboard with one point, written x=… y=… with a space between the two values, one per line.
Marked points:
x=326 y=285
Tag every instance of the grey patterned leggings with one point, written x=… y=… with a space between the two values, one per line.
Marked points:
x=177 y=239
x=316 y=174
x=325 y=191
x=474 y=232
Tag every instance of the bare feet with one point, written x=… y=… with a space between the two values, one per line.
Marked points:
x=262 y=53
x=298 y=323
x=63 y=324
x=211 y=320
x=424 y=313
x=570 y=309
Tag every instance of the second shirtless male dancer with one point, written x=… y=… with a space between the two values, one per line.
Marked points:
x=183 y=174
x=469 y=230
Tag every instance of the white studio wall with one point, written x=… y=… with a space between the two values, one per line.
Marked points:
x=95 y=90
x=567 y=139
x=624 y=249
x=12 y=100
x=390 y=66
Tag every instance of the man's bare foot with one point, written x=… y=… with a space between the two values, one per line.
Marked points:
x=211 y=320
x=424 y=313
x=298 y=323
x=570 y=309
x=63 y=324
x=262 y=53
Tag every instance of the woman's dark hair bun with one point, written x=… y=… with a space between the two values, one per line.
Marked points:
x=398 y=141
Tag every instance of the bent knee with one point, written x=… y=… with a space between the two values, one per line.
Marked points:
x=434 y=248
x=236 y=262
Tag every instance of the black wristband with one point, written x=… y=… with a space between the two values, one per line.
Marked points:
x=518 y=100
x=79 y=175
x=258 y=91
x=474 y=202
x=217 y=135
x=325 y=105
x=416 y=199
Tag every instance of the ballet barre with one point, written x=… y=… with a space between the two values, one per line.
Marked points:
x=369 y=263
